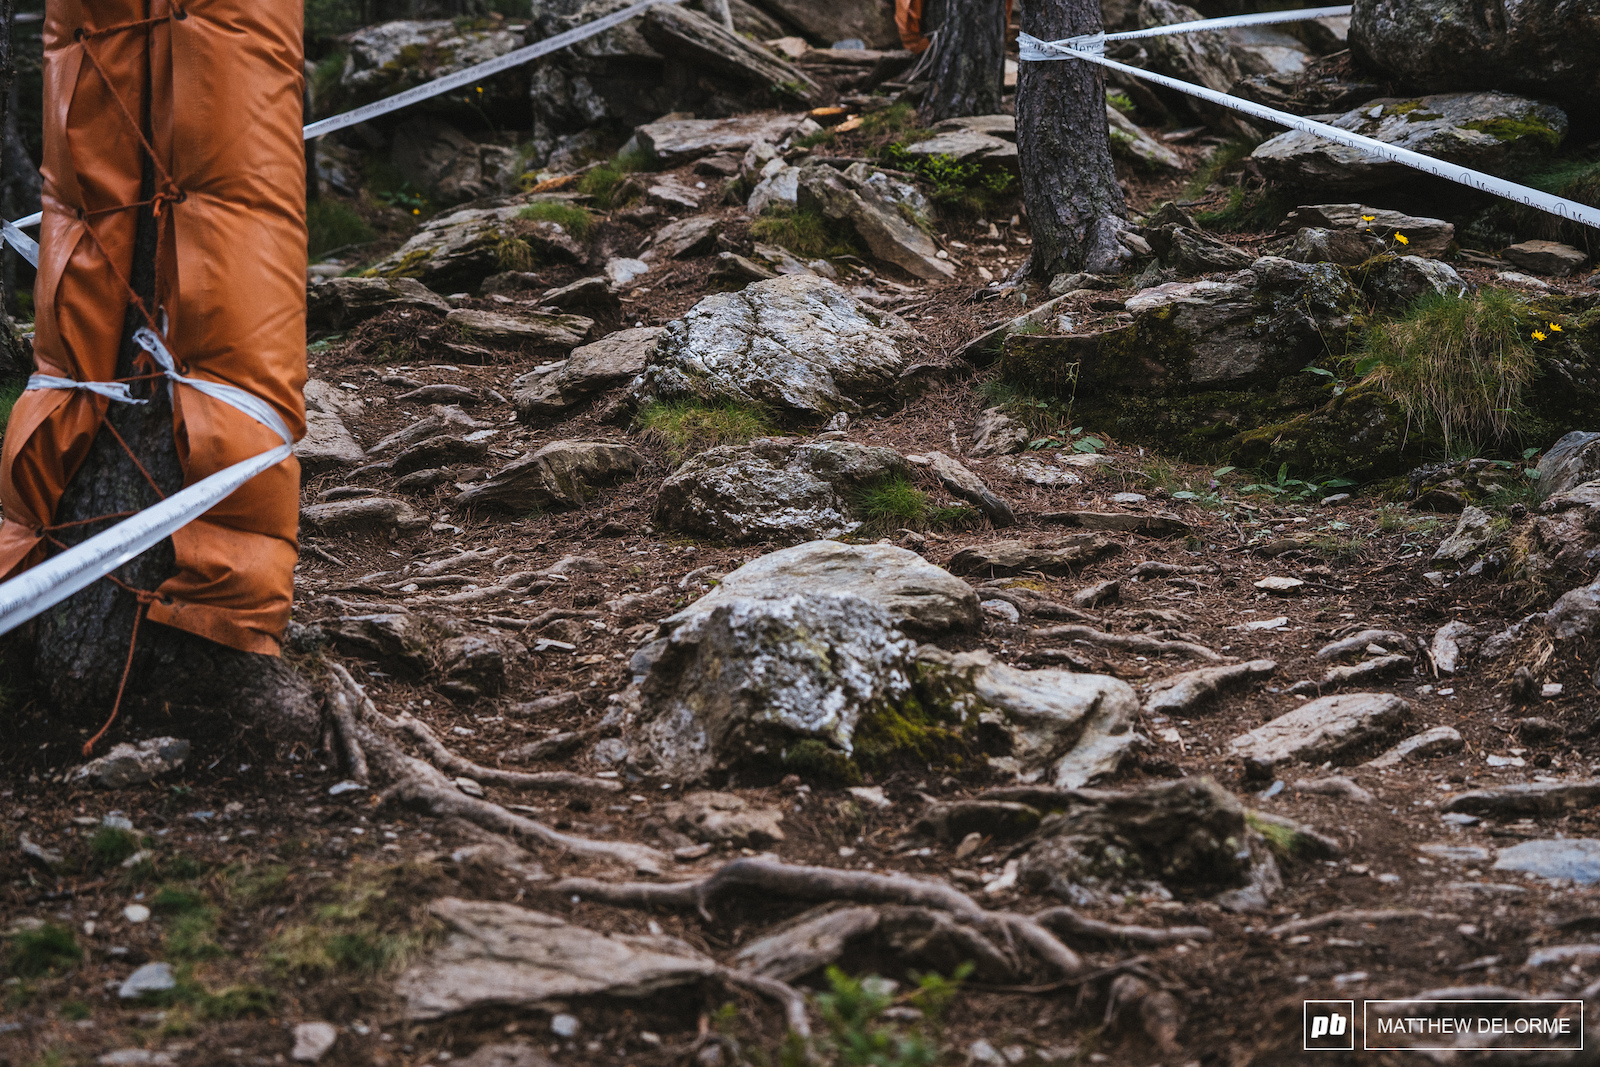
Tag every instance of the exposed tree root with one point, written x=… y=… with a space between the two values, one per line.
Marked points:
x=1356 y=915
x=1066 y=921
x=446 y=760
x=1130 y=642
x=422 y=784
x=796 y=882
x=791 y=999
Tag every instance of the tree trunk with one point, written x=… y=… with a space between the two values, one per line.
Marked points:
x=12 y=358
x=1075 y=206
x=82 y=645
x=967 y=75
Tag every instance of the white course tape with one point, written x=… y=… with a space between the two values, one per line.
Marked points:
x=1229 y=22
x=246 y=402
x=480 y=71
x=29 y=221
x=26 y=246
x=1031 y=48
x=60 y=576
x=117 y=391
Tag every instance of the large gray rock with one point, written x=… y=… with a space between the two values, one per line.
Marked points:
x=328 y=443
x=672 y=142
x=1053 y=726
x=1396 y=281
x=918 y=596
x=773 y=490
x=339 y=303
x=386 y=58
x=1576 y=613
x=1424 y=236
x=458 y=250
x=447 y=165
x=1473 y=530
x=747 y=679
x=685 y=239
x=799 y=346
x=1562 y=544
x=559 y=474
x=877 y=220
x=1327 y=729
x=365 y=515
x=1546 y=257
x=134 y=764
x=614 y=360
x=1188 y=838
x=1566 y=859
x=499 y=956
x=1543 y=48
x=1569 y=463
x=1490 y=131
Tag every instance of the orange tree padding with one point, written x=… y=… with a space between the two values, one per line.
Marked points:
x=908 y=20
x=225 y=80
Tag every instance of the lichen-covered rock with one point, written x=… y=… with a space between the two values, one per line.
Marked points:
x=673 y=141
x=1193 y=251
x=134 y=764
x=1330 y=728
x=1395 y=281
x=1054 y=726
x=1189 y=839
x=889 y=230
x=1562 y=544
x=458 y=250
x=723 y=818
x=919 y=597
x=559 y=474
x=398 y=638
x=799 y=346
x=998 y=434
x=1424 y=236
x=1348 y=248
x=1544 y=48
x=538 y=328
x=365 y=515
x=750 y=679
x=773 y=489
x=386 y=58
x=1568 y=463
x=1489 y=131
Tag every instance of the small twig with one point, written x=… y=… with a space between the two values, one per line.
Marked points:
x=1355 y=915
x=322 y=553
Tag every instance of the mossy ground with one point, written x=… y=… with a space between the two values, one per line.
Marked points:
x=682 y=426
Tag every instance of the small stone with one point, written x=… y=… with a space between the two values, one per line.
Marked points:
x=872 y=796
x=1473 y=530
x=1279 y=585
x=969 y=844
x=564 y=1025
x=151 y=978
x=136 y=913
x=1551 y=689
x=134 y=764
x=469 y=787
x=1435 y=742
x=1545 y=257
x=1128 y=498
x=1001 y=611
x=347 y=786
x=312 y=1041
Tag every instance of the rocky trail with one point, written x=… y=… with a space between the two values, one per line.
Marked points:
x=719 y=569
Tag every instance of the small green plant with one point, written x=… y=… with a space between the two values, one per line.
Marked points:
x=575 y=220
x=110 y=845
x=963 y=187
x=891 y=504
x=1458 y=364
x=1223 y=159
x=75 y=1010
x=1074 y=440
x=684 y=425
x=331 y=224
x=45 y=950
x=1122 y=102
x=10 y=393
x=826 y=135
x=856 y=1034
x=368 y=922
x=601 y=181
x=1289 y=488
x=806 y=232
x=897 y=121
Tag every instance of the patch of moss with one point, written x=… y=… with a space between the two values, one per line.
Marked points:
x=46 y=950
x=601 y=182
x=410 y=265
x=912 y=734
x=1524 y=127
x=371 y=921
x=110 y=845
x=819 y=763
x=513 y=253
x=683 y=426
x=806 y=232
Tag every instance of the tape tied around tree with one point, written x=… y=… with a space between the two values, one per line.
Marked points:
x=1032 y=49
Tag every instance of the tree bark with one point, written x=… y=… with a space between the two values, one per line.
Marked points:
x=82 y=645
x=12 y=357
x=1075 y=206
x=967 y=75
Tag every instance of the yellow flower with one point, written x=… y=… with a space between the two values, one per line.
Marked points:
x=480 y=89
x=1555 y=327
x=1538 y=335
x=1402 y=238
x=418 y=211
x=1368 y=218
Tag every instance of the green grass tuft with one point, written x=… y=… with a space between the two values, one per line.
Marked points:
x=891 y=504
x=575 y=220
x=806 y=232
x=682 y=426
x=1223 y=159
x=49 y=949
x=1460 y=364
x=601 y=182
x=10 y=393
x=110 y=845
x=331 y=224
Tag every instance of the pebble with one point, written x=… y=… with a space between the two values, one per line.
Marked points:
x=1551 y=689
x=1279 y=584
x=564 y=1025
x=469 y=787
x=136 y=913
x=341 y=788
x=1128 y=498
x=151 y=978
x=871 y=795
x=312 y=1041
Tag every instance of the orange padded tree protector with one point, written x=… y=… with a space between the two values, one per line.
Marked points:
x=908 y=20
x=225 y=81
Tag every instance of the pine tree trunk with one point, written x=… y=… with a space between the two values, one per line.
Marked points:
x=1075 y=206
x=968 y=66
x=81 y=646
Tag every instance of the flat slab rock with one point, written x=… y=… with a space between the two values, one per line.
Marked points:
x=368 y=514
x=1435 y=742
x=674 y=141
x=1564 y=859
x=918 y=596
x=614 y=360
x=502 y=956
x=561 y=473
x=1003 y=558
x=1525 y=799
x=1321 y=730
